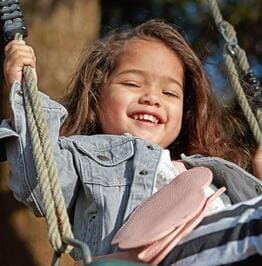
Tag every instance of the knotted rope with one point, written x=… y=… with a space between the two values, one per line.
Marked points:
x=53 y=201
x=237 y=63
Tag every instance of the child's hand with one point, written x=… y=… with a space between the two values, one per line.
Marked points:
x=257 y=163
x=17 y=55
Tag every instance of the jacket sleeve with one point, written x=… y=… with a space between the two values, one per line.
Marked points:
x=240 y=184
x=18 y=147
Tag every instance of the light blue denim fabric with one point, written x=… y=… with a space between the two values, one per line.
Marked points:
x=103 y=177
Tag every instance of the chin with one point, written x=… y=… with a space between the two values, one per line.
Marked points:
x=148 y=138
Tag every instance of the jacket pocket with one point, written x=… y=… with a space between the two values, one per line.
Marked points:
x=108 y=165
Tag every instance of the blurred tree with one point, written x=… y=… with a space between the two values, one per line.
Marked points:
x=58 y=31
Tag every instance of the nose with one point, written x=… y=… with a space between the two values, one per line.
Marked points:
x=150 y=99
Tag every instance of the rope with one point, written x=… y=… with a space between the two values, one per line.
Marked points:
x=242 y=100
x=53 y=201
x=229 y=34
x=236 y=62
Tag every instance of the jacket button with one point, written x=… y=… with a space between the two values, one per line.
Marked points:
x=143 y=172
x=258 y=189
x=20 y=93
x=150 y=147
x=102 y=157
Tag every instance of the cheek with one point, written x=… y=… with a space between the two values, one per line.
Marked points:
x=108 y=103
x=176 y=125
x=176 y=122
x=180 y=117
x=177 y=115
x=113 y=110
x=114 y=97
x=113 y=106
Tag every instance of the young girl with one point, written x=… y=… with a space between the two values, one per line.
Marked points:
x=134 y=94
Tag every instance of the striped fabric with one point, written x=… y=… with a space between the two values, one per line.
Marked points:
x=230 y=237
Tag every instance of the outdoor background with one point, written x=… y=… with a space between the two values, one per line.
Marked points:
x=60 y=29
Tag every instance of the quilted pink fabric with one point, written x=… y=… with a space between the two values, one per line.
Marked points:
x=161 y=221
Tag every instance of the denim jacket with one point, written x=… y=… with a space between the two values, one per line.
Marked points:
x=103 y=177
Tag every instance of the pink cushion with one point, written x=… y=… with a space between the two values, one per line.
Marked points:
x=162 y=220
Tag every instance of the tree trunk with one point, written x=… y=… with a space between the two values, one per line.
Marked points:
x=57 y=37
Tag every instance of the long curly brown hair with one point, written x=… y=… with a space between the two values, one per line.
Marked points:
x=202 y=128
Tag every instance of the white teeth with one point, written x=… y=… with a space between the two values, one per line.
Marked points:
x=146 y=117
x=142 y=117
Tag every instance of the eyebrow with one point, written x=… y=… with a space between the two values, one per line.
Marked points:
x=141 y=72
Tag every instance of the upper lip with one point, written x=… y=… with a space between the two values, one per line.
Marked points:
x=158 y=116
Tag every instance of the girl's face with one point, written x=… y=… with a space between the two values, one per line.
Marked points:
x=144 y=94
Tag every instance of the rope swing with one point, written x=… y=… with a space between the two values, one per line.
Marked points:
x=53 y=201
x=237 y=67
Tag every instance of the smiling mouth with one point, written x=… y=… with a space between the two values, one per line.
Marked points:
x=146 y=118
